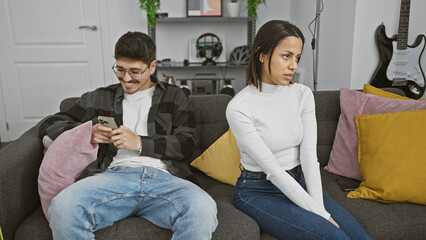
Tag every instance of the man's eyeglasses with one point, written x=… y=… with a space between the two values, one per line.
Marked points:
x=134 y=73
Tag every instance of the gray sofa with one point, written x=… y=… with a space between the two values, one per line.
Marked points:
x=21 y=216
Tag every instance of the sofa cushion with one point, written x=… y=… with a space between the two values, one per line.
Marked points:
x=368 y=89
x=327 y=109
x=344 y=154
x=221 y=160
x=37 y=227
x=392 y=157
x=233 y=224
x=383 y=221
x=64 y=161
x=210 y=119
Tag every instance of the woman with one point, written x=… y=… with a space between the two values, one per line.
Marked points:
x=273 y=121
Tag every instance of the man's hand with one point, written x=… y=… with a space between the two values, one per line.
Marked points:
x=124 y=138
x=101 y=134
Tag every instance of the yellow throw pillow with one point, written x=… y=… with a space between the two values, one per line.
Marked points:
x=392 y=157
x=221 y=160
x=368 y=89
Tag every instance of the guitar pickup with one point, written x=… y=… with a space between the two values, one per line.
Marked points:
x=399 y=82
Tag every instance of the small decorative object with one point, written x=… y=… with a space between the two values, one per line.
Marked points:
x=161 y=15
x=150 y=7
x=252 y=7
x=193 y=54
x=233 y=7
x=208 y=46
x=169 y=79
x=240 y=55
x=185 y=88
x=228 y=89
x=204 y=8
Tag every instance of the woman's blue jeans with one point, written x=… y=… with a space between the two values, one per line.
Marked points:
x=280 y=217
x=96 y=202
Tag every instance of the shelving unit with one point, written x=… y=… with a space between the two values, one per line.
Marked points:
x=198 y=66
x=251 y=24
x=180 y=67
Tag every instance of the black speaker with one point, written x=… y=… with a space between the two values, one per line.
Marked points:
x=208 y=46
x=228 y=89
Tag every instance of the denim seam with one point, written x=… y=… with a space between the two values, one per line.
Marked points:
x=91 y=211
x=87 y=224
x=175 y=204
x=242 y=199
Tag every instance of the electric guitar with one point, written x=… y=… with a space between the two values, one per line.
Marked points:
x=399 y=65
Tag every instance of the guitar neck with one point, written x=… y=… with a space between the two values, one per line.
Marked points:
x=404 y=18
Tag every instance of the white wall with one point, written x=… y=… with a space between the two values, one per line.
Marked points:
x=3 y=121
x=335 y=41
x=302 y=12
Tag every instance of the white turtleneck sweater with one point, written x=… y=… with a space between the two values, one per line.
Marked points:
x=276 y=131
x=135 y=117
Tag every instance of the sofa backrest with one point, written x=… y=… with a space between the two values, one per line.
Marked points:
x=327 y=107
x=209 y=112
x=210 y=119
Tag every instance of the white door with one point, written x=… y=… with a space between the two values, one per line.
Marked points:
x=49 y=50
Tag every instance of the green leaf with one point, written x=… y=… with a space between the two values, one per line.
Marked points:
x=252 y=6
x=150 y=7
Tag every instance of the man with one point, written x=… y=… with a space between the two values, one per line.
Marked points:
x=144 y=157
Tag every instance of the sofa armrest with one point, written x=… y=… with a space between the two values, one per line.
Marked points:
x=19 y=166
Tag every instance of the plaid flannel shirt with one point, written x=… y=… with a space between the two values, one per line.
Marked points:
x=171 y=126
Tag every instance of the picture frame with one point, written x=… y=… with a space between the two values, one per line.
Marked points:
x=204 y=8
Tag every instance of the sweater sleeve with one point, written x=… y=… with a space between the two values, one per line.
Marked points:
x=308 y=156
x=55 y=125
x=249 y=141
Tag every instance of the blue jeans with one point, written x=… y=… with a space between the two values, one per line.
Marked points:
x=280 y=217
x=96 y=202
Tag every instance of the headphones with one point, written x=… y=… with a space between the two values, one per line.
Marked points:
x=202 y=44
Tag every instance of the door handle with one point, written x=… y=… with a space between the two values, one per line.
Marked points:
x=93 y=28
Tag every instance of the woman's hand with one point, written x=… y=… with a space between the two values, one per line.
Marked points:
x=333 y=222
x=124 y=138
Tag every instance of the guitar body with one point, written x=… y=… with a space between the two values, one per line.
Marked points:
x=399 y=68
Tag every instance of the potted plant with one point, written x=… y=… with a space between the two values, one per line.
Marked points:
x=233 y=7
x=150 y=7
x=252 y=7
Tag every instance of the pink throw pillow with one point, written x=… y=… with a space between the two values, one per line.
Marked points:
x=64 y=161
x=344 y=154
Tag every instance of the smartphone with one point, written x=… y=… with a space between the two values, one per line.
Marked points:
x=347 y=184
x=107 y=121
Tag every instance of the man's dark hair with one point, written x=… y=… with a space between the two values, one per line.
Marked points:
x=135 y=46
x=266 y=40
